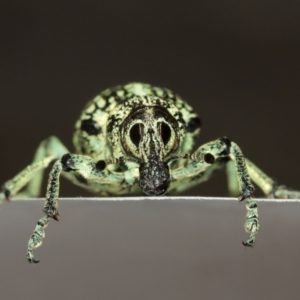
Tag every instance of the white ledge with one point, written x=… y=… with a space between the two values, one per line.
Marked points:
x=143 y=198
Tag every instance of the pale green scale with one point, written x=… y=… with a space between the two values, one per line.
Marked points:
x=100 y=102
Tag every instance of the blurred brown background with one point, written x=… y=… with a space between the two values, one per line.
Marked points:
x=236 y=62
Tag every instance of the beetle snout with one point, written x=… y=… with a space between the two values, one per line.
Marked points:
x=154 y=178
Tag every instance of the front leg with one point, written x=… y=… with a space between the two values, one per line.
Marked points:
x=88 y=171
x=31 y=177
x=209 y=157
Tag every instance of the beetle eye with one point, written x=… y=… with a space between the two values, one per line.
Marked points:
x=135 y=134
x=165 y=132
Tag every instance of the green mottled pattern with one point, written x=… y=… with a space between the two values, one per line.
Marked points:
x=124 y=129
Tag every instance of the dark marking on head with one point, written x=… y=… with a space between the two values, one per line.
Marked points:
x=111 y=123
x=135 y=134
x=179 y=117
x=165 y=132
x=193 y=124
x=91 y=127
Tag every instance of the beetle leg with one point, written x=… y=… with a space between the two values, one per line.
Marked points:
x=207 y=158
x=79 y=166
x=48 y=151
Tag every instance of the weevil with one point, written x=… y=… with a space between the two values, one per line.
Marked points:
x=138 y=139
